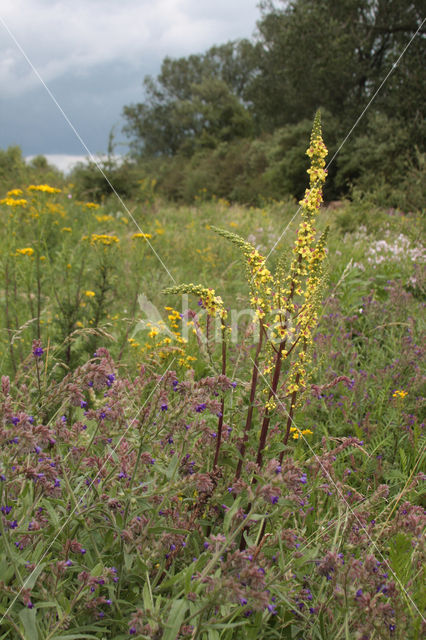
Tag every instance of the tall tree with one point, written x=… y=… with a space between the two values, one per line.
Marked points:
x=194 y=102
x=333 y=54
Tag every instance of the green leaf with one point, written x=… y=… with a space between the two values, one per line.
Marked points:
x=171 y=469
x=53 y=514
x=230 y=514
x=161 y=529
x=147 y=595
x=32 y=579
x=28 y=619
x=7 y=571
x=128 y=560
x=403 y=459
x=176 y=617
x=76 y=636
x=97 y=571
x=400 y=555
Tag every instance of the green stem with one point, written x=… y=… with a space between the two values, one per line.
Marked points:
x=272 y=394
x=8 y=323
x=222 y=406
x=249 y=419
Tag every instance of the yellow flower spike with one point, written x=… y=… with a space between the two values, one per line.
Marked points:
x=208 y=298
x=91 y=205
x=14 y=192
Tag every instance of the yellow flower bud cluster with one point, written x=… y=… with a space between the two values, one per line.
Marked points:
x=165 y=341
x=260 y=274
x=317 y=173
x=12 y=202
x=103 y=239
x=27 y=251
x=296 y=433
x=212 y=303
x=312 y=200
x=259 y=277
x=45 y=188
x=399 y=393
x=142 y=236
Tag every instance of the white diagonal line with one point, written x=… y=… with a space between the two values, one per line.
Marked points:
x=81 y=498
x=93 y=159
x=357 y=121
x=373 y=544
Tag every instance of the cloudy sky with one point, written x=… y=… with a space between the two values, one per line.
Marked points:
x=93 y=55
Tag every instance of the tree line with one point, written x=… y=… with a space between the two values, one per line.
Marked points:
x=234 y=120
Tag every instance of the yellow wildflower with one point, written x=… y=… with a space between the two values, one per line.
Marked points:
x=400 y=393
x=297 y=432
x=45 y=188
x=89 y=294
x=11 y=202
x=141 y=235
x=68 y=229
x=104 y=239
x=27 y=251
x=14 y=192
x=91 y=205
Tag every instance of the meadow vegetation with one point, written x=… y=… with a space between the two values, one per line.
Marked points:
x=242 y=457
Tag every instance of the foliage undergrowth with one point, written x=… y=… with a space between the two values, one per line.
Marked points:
x=151 y=489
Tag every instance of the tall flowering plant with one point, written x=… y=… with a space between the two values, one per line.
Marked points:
x=286 y=306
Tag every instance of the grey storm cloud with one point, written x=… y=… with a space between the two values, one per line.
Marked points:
x=93 y=55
